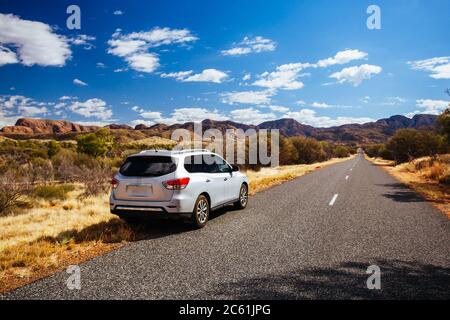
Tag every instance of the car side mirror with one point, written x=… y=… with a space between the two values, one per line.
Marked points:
x=234 y=168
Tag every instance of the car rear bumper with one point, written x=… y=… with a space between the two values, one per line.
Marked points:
x=173 y=208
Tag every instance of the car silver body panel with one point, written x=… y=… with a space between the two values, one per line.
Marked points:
x=148 y=195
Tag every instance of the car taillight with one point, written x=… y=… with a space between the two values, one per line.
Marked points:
x=114 y=183
x=176 y=184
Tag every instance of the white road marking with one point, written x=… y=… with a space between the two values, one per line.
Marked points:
x=346 y=177
x=333 y=200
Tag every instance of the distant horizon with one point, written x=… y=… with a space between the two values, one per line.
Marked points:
x=87 y=124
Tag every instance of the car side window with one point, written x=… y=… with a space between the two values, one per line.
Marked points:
x=198 y=164
x=222 y=166
x=210 y=164
x=192 y=164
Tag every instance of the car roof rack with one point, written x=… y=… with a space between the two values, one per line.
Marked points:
x=192 y=150
x=174 y=151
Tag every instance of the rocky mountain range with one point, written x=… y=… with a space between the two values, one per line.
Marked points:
x=372 y=132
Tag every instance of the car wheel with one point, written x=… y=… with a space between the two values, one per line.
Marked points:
x=200 y=215
x=243 y=197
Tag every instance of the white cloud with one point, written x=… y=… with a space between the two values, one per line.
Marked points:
x=94 y=123
x=309 y=117
x=7 y=56
x=163 y=36
x=236 y=51
x=180 y=75
x=100 y=65
x=323 y=105
x=181 y=115
x=151 y=114
x=143 y=62
x=301 y=102
x=429 y=106
x=195 y=115
x=14 y=107
x=30 y=111
x=246 y=77
x=95 y=108
x=207 y=75
x=248 y=97
x=356 y=74
x=439 y=67
x=137 y=109
x=279 y=108
x=251 y=45
x=35 y=43
x=148 y=123
x=6 y=121
x=251 y=116
x=320 y=105
x=365 y=99
x=82 y=40
x=342 y=57
x=285 y=77
x=63 y=98
x=134 y=47
x=393 y=101
x=125 y=47
x=80 y=83
x=118 y=13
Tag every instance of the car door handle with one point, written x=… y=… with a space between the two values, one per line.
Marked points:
x=207 y=180
x=225 y=179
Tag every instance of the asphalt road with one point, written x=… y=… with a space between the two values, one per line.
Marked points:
x=294 y=241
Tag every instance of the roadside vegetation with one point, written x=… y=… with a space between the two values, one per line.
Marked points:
x=419 y=159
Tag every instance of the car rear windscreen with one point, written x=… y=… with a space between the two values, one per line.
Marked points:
x=153 y=166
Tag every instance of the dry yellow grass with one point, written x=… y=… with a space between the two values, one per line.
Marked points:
x=154 y=140
x=268 y=177
x=424 y=175
x=54 y=234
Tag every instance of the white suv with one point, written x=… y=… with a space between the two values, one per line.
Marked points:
x=187 y=183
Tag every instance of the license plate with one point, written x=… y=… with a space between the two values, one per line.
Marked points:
x=139 y=190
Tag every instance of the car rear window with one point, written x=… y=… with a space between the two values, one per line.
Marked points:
x=153 y=166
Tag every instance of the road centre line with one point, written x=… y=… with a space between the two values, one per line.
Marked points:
x=333 y=200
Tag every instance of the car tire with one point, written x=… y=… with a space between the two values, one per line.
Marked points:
x=243 y=197
x=200 y=215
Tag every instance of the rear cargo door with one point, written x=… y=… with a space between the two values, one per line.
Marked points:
x=141 y=178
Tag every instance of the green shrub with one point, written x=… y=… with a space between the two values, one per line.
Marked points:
x=309 y=150
x=53 y=148
x=95 y=144
x=444 y=124
x=408 y=144
x=52 y=192
x=288 y=152
x=341 y=151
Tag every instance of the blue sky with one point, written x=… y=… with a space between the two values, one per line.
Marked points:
x=248 y=61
